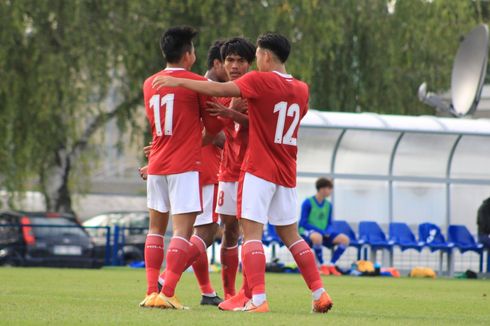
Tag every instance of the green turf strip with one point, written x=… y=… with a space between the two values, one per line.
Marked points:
x=111 y=296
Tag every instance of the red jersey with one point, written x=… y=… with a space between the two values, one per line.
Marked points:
x=276 y=104
x=175 y=119
x=211 y=159
x=234 y=149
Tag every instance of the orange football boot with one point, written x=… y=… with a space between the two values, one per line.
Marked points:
x=235 y=303
x=324 y=270
x=149 y=301
x=250 y=307
x=333 y=271
x=322 y=305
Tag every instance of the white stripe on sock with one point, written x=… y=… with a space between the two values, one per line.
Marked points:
x=184 y=239
x=295 y=243
x=198 y=237
x=260 y=241
x=155 y=235
x=229 y=248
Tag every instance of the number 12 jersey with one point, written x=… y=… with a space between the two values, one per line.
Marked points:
x=276 y=104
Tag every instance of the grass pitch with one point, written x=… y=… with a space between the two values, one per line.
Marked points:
x=111 y=296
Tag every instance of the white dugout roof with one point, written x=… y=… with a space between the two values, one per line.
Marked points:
x=397 y=168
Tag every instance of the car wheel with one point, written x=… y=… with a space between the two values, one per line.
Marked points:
x=13 y=260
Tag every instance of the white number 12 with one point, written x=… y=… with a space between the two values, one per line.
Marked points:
x=292 y=111
x=156 y=104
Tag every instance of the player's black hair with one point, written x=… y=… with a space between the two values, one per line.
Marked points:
x=239 y=46
x=214 y=53
x=323 y=183
x=176 y=41
x=278 y=44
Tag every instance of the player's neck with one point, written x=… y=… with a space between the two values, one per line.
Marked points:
x=279 y=68
x=319 y=198
x=211 y=75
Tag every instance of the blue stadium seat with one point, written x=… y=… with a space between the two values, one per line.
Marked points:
x=340 y=226
x=464 y=241
x=372 y=234
x=270 y=237
x=432 y=236
x=403 y=237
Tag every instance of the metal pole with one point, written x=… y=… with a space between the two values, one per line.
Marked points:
x=390 y=176
x=333 y=161
x=448 y=179
x=115 y=247
x=107 y=246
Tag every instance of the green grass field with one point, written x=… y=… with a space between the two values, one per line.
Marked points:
x=111 y=296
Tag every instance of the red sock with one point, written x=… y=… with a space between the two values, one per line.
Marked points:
x=254 y=266
x=245 y=287
x=201 y=265
x=193 y=254
x=229 y=267
x=153 y=260
x=177 y=257
x=306 y=263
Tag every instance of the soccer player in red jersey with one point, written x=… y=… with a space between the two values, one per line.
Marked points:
x=175 y=116
x=276 y=104
x=238 y=54
x=206 y=225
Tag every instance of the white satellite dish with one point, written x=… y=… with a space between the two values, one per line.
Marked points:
x=468 y=75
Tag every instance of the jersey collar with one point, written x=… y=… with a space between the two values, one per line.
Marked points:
x=282 y=75
x=173 y=69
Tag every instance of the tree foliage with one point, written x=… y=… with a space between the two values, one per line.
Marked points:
x=60 y=60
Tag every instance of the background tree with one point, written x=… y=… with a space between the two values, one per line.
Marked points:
x=61 y=60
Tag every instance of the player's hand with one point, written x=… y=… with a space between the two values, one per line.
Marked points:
x=164 y=81
x=147 y=149
x=219 y=140
x=143 y=172
x=216 y=109
x=239 y=104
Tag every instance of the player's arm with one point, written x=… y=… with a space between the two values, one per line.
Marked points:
x=329 y=221
x=217 y=140
x=212 y=125
x=219 y=110
x=210 y=88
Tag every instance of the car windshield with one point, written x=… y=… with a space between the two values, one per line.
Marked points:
x=99 y=220
x=71 y=228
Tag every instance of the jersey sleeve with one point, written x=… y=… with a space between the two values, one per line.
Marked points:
x=249 y=84
x=212 y=124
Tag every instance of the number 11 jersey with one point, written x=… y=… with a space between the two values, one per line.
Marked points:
x=175 y=117
x=276 y=104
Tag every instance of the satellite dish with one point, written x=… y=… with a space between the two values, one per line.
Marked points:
x=468 y=75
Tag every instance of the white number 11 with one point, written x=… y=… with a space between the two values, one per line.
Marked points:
x=156 y=104
x=292 y=111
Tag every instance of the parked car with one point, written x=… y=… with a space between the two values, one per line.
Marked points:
x=135 y=226
x=61 y=242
